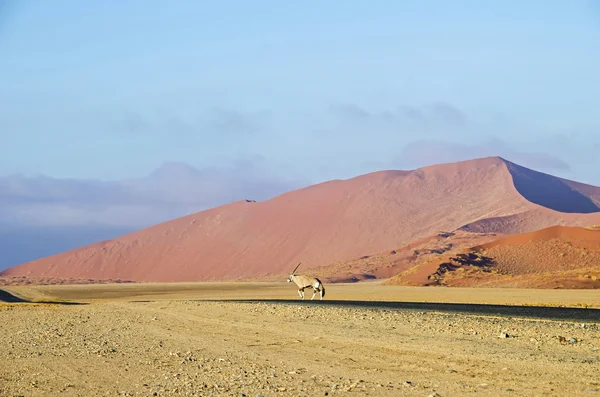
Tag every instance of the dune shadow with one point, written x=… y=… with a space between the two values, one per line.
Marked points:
x=549 y=191
x=7 y=297
x=540 y=312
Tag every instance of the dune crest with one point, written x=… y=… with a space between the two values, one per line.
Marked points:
x=329 y=222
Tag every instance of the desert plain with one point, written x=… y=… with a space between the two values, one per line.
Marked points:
x=259 y=339
x=472 y=278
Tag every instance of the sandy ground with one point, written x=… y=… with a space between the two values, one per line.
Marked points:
x=371 y=291
x=166 y=339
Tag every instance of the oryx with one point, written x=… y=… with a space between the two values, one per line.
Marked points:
x=307 y=282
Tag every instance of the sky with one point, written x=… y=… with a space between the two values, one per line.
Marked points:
x=280 y=95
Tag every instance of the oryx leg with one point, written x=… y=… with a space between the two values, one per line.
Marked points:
x=301 y=292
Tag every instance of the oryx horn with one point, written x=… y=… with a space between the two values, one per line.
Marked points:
x=296 y=268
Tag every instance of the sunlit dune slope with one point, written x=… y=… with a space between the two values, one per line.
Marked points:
x=328 y=223
x=554 y=257
x=556 y=248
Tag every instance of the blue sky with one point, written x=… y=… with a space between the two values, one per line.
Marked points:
x=113 y=89
x=115 y=115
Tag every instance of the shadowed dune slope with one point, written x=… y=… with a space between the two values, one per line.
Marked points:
x=554 y=193
x=321 y=224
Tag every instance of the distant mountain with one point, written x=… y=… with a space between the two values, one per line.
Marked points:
x=332 y=222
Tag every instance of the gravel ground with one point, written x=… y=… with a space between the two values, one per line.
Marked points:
x=193 y=348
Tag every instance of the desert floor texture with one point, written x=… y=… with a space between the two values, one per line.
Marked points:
x=173 y=339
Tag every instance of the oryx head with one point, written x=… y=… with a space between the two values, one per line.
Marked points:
x=289 y=280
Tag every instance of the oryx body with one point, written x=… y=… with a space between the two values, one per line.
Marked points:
x=304 y=282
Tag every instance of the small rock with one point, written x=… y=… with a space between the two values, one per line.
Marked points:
x=503 y=335
x=572 y=340
x=591 y=390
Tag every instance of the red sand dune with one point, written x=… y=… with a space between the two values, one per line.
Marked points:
x=556 y=248
x=332 y=222
x=398 y=260
x=554 y=257
x=24 y=280
x=584 y=237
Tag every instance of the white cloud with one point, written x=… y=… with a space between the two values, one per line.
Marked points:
x=173 y=190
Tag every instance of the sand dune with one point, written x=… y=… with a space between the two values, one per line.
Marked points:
x=554 y=193
x=400 y=259
x=554 y=257
x=553 y=249
x=332 y=222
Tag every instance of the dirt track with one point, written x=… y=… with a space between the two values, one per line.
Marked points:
x=115 y=346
